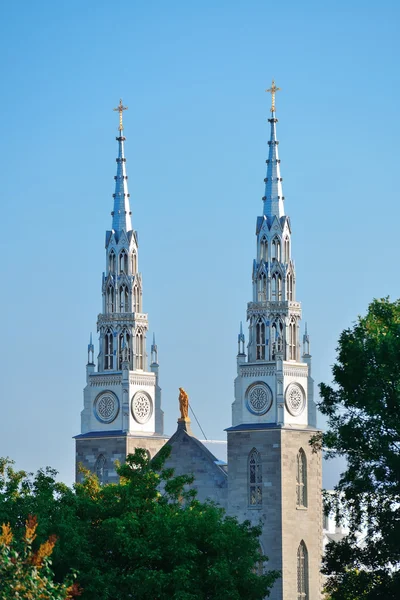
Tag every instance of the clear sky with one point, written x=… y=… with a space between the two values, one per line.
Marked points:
x=193 y=75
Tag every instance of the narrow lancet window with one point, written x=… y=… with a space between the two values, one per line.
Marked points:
x=124 y=349
x=134 y=263
x=260 y=340
x=301 y=479
x=264 y=249
x=110 y=299
x=108 y=350
x=262 y=288
x=124 y=299
x=302 y=572
x=287 y=250
x=255 y=478
x=276 y=249
x=123 y=262
x=139 y=350
x=100 y=469
x=293 y=340
x=111 y=262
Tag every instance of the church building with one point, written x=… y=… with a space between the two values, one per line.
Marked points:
x=272 y=476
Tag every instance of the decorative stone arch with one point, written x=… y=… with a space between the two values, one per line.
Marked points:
x=260 y=339
x=108 y=349
x=264 y=248
x=276 y=248
x=123 y=261
x=302 y=572
x=301 y=479
x=112 y=261
x=255 y=478
x=100 y=469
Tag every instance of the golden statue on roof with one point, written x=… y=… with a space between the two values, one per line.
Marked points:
x=183 y=404
x=272 y=90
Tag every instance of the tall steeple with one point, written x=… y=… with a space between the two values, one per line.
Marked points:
x=273 y=198
x=122 y=212
x=123 y=395
x=274 y=313
x=274 y=477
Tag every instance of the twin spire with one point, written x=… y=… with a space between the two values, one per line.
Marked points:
x=122 y=212
x=273 y=198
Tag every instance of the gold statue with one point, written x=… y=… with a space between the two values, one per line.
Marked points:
x=183 y=404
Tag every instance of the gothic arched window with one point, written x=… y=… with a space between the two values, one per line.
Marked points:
x=302 y=572
x=255 y=478
x=289 y=287
x=111 y=262
x=108 y=350
x=100 y=468
x=292 y=340
x=260 y=340
x=301 y=479
x=134 y=263
x=123 y=262
x=110 y=299
x=136 y=299
x=124 y=349
x=139 y=350
x=276 y=249
x=262 y=288
x=287 y=249
x=124 y=299
x=264 y=249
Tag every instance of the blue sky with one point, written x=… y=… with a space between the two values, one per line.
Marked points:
x=193 y=75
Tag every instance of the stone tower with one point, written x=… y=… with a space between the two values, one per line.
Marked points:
x=274 y=477
x=122 y=397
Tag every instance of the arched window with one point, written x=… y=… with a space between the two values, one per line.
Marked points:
x=301 y=479
x=287 y=249
x=123 y=262
x=302 y=572
x=124 y=349
x=100 y=469
x=262 y=288
x=136 y=299
x=293 y=340
x=134 y=263
x=108 y=350
x=124 y=299
x=139 y=350
x=111 y=262
x=110 y=299
x=264 y=249
x=255 y=478
x=276 y=249
x=260 y=340
x=289 y=287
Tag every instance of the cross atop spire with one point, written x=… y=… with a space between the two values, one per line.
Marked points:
x=272 y=90
x=120 y=108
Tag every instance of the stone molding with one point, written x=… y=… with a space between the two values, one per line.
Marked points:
x=102 y=379
x=257 y=371
x=142 y=379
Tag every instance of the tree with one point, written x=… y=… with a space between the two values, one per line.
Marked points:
x=363 y=409
x=146 y=537
x=27 y=574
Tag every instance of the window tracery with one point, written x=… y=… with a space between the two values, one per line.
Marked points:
x=302 y=572
x=260 y=340
x=255 y=478
x=301 y=479
x=108 y=350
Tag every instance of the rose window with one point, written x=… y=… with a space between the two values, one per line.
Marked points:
x=294 y=399
x=106 y=408
x=141 y=407
x=259 y=399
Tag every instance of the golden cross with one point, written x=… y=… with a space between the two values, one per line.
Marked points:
x=272 y=90
x=120 y=108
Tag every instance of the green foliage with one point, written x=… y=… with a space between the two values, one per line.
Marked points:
x=363 y=409
x=146 y=537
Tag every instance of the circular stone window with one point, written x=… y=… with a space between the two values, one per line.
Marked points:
x=106 y=407
x=295 y=400
x=142 y=407
x=259 y=398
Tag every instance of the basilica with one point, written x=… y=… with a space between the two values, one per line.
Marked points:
x=271 y=476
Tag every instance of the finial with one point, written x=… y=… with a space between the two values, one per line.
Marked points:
x=241 y=328
x=120 y=108
x=272 y=90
